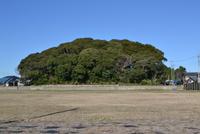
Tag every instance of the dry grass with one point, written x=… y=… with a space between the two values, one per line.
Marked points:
x=108 y=112
x=94 y=106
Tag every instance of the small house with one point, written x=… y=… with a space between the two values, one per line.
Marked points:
x=191 y=81
x=9 y=81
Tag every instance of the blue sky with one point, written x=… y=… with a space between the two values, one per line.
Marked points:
x=28 y=26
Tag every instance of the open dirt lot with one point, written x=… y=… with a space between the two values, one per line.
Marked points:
x=100 y=112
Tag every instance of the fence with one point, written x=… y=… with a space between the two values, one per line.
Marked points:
x=192 y=86
x=92 y=87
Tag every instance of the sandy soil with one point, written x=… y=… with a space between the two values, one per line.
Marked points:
x=100 y=112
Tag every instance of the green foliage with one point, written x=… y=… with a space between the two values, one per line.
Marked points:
x=79 y=74
x=146 y=82
x=95 y=61
x=179 y=73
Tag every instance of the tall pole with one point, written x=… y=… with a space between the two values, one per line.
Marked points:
x=172 y=71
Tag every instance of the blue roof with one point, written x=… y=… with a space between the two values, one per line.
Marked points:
x=6 y=79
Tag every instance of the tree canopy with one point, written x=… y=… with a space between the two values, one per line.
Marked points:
x=92 y=61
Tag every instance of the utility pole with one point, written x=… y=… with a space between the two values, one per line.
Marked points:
x=173 y=76
x=172 y=70
x=198 y=68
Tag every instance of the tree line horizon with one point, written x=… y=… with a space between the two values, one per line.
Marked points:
x=93 y=61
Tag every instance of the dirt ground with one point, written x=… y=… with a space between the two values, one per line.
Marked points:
x=100 y=112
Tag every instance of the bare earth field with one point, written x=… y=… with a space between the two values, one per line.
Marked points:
x=100 y=112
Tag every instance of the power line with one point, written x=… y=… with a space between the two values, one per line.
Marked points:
x=172 y=65
x=185 y=59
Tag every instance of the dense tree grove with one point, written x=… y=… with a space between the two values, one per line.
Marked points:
x=90 y=61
